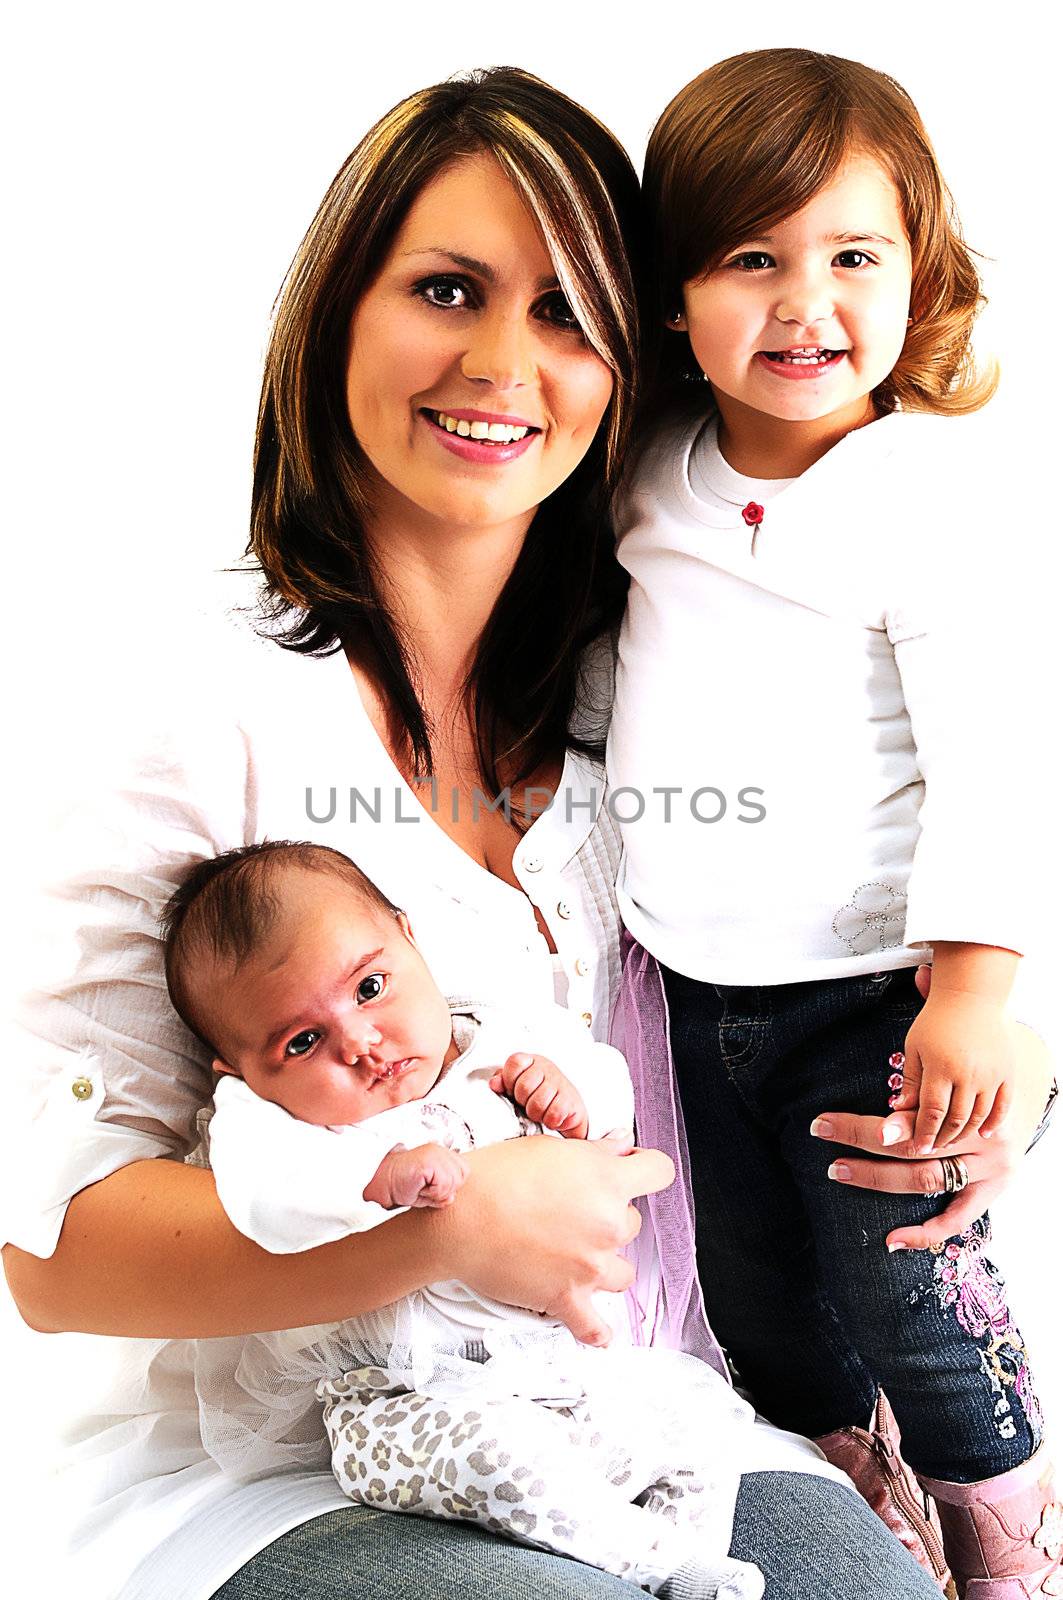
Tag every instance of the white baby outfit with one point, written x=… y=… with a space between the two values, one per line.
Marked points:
x=452 y=1405
x=818 y=739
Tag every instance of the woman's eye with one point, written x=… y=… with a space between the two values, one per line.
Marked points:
x=446 y=293
x=302 y=1043
x=557 y=310
x=854 y=258
x=371 y=988
x=752 y=261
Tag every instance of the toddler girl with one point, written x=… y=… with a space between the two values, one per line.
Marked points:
x=811 y=755
x=350 y=1087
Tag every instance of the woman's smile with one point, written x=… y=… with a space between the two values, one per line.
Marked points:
x=480 y=436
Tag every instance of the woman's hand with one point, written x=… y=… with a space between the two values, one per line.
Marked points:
x=991 y=1163
x=539 y=1223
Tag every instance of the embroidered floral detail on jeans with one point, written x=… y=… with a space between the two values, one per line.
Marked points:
x=873 y=919
x=969 y=1285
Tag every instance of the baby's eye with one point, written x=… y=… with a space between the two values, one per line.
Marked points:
x=371 y=987
x=445 y=293
x=752 y=261
x=302 y=1043
x=854 y=259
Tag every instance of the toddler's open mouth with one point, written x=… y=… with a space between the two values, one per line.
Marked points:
x=807 y=356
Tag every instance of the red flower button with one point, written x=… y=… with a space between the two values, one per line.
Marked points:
x=753 y=515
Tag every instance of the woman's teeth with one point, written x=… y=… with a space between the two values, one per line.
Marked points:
x=802 y=358
x=493 y=432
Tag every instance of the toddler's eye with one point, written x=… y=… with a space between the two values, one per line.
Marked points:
x=371 y=987
x=854 y=258
x=302 y=1043
x=752 y=261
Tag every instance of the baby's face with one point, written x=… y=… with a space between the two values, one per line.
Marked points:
x=336 y=1017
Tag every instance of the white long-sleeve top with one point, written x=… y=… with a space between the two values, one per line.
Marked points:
x=292 y=1185
x=834 y=700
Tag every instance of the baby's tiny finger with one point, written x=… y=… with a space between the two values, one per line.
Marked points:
x=538 y=1104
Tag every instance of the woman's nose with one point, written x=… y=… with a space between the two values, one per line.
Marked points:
x=499 y=352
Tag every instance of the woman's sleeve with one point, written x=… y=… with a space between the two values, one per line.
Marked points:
x=103 y=1070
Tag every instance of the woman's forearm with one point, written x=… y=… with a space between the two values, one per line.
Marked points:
x=149 y=1253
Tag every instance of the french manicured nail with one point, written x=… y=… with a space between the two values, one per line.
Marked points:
x=894 y=1247
x=891 y=1134
x=987 y=1133
x=822 y=1129
x=839 y=1172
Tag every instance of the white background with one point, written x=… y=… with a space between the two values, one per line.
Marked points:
x=164 y=163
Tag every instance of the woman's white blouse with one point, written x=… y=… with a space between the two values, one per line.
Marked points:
x=254 y=743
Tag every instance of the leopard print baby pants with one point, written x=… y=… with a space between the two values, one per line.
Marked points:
x=633 y=1481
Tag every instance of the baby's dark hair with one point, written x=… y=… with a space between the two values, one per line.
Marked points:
x=227 y=905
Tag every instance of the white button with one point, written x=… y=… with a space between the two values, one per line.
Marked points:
x=581 y=967
x=81 y=1089
x=533 y=863
x=564 y=909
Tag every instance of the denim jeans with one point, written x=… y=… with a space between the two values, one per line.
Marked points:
x=812 y=1539
x=799 y=1287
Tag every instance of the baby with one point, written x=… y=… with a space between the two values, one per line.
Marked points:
x=349 y=1087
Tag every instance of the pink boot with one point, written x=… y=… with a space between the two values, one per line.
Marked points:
x=873 y=1461
x=1004 y=1536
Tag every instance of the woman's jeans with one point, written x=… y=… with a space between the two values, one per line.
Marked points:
x=812 y=1539
x=799 y=1286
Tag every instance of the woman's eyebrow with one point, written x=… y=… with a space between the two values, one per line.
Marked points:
x=470 y=264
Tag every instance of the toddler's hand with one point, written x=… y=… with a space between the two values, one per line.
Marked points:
x=545 y=1094
x=427 y=1176
x=958 y=1070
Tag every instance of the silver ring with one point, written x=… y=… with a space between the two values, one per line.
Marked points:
x=954 y=1174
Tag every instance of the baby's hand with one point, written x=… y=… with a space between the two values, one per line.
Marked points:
x=427 y=1176
x=545 y=1094
x=958 y=1069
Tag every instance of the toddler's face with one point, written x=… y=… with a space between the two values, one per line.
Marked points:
x=802 y=324
x=336 y=1016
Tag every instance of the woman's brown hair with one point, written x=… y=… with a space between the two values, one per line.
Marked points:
x=311 y=479
x=749 y=143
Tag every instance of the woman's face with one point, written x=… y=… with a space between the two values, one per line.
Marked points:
x=470 y=386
